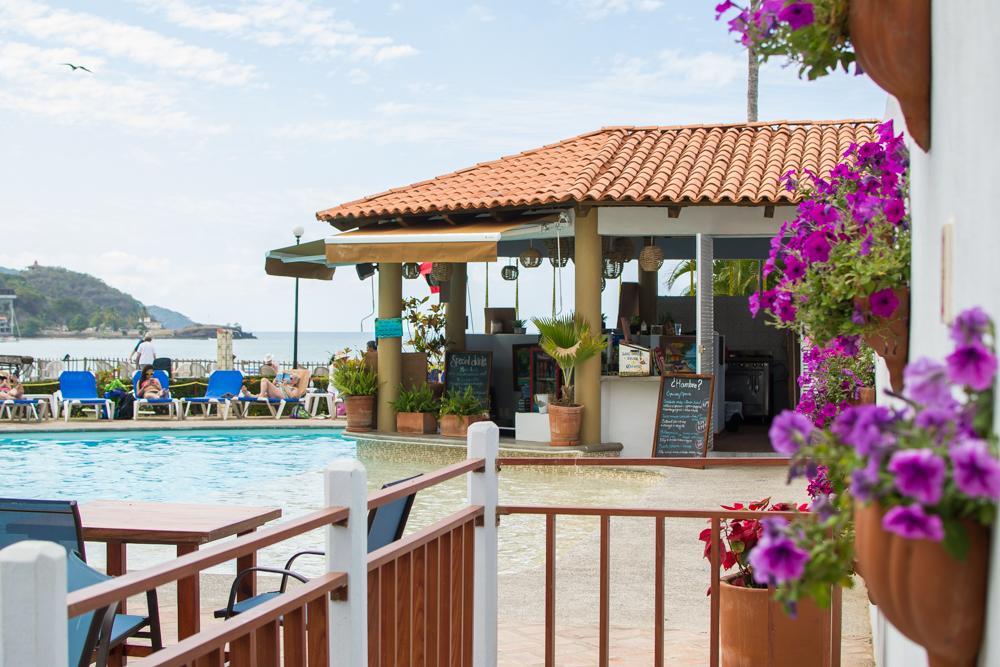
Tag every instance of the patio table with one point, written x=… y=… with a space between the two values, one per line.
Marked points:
x=119 y=523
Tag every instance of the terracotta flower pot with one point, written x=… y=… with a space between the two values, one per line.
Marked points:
x=891 y=340
x=360 y=410
x=930 y=597
x=456 y=426
x=892 y=42
x=743 y=629
x=564 y=425
x=866 y=396
x=416 y=422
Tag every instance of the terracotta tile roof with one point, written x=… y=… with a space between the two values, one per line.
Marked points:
x=692 y=164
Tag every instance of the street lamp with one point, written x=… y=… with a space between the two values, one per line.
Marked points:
x=298 y=231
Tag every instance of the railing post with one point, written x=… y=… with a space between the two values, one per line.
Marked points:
x=33 y=605
x=347 y=551
x=483 y=443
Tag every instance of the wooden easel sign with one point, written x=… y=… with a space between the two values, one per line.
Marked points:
x=683 y=415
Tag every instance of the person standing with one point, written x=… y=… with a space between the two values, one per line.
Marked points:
x=145 y=353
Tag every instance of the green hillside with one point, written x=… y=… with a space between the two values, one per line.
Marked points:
x=51 y=297
x=170 y=319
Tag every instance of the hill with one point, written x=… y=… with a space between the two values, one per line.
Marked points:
x=170 y=319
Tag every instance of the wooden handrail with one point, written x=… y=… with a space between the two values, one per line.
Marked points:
x=216 y=638
x=676 y=462
x=552 y=510
x=406 y=544
x=397 y=491
x=120 y=588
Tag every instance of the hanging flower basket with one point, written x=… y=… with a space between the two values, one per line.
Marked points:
x=530 y=259
x=411 y=271
x=891 y=340
x=441 y=271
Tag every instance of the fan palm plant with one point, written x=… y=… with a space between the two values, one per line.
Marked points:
x=569 y=340
x=730 y=277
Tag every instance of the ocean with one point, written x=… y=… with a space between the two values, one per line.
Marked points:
x=314 y=346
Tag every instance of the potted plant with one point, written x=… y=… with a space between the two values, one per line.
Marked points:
x=797 y=638
x=842 y=265
x=520 y=326
x=427 y=327
x=569 y=341
x=416 y=410
x=833 y=378
x=459 y=410
x=357 y=382
x=890 y=40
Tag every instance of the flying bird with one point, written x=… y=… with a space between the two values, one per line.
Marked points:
x=76 y=67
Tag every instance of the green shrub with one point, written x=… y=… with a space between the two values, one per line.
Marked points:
x=416 y=400
x=353 y=377
x=465 y=404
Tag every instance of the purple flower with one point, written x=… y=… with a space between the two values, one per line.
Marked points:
x=722 y=8
x=913 y=523
x=866 y=428
x=864 y=480
x=972 y=365
x=754 y=302
x=797 y=15
x=795 y=269
x=919 y=474
x=894 y=210
x=816 y=247
x=937 y=419
x=970 y=325
x=776 y=558
x=884 y=302
x=926 y=382
x=819 y=483
x=789 y=432
x=976 y=471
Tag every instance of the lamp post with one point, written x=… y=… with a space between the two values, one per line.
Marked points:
x=298 y=231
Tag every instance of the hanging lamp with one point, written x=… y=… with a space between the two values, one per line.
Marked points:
x=651 y=257
x=530 y=258
x=441 y=271
x=411 y=271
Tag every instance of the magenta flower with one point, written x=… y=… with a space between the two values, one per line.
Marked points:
x=919 y=474
x=816 y=247
x=894 y=210
x=972 y=365
x=976 y=471
x=797 y=15
x=883 y=303
x=795 y=270
x=776 y=558
x=789 y=432
x=970 y=325
x=722 y=8
x=866 y=428
x=926 y=382
x=864 y=480
x=819 y=484
x=913 y=523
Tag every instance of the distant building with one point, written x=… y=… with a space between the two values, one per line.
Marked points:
x=8 y=320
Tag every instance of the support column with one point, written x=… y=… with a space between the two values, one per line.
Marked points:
x=705 y=303
x=454 y=328
x=588 y=306
x=390 y=350
x=648 y=286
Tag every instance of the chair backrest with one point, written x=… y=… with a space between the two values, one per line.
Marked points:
x=49 y=520
x=78 y=384
x=83 y=629
x=158 y=374
x=164 y=364
x=224 y=382
x=387 y=523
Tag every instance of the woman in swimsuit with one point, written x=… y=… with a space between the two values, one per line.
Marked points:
x=149 y=386
x=285 y=385
x=10 y=388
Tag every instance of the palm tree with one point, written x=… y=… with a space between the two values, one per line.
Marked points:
x=730 y=277
x=568 y=340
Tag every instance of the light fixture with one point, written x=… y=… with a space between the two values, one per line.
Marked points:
x=612 y=268
x=411 y=270
x=441 y=271
x=623 y=248
x=509 y=272
x=651 y=257
x=365 y=270
x=530 y=258
x=298 y=231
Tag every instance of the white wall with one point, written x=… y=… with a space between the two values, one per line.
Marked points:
x=956 y=183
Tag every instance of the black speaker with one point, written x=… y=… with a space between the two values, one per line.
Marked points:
x=365 y=270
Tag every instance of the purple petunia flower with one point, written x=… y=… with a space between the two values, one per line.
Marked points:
x=976 y=471
x=972 y=365
x=866 y=428
x=919 y=474
x=894 y=210
x=797 y=15
x=864 y=481
x=776 y=558
x=795 y=269
x=816 y=247
x=722 y=8
x=913 y=523
x=926 y=382
x=789 y=432
x=883 y=303
x=970 y=325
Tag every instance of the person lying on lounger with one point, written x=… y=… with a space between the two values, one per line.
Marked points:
x=149 y=386
x=285 y=385
x=10 y=388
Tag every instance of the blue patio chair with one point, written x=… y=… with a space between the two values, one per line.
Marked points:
x=223 y=388
x=172 y=404
x=104 y=630
x=386 y=524
x=79 y=388
x=27 y=407
x=276 y=406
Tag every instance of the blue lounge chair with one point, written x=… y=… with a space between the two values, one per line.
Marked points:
x=173 y=405
x=79 y=388
x=275 y=405
x=24 y=407
x=59 y=521
x=385 y=525
x=223 y=388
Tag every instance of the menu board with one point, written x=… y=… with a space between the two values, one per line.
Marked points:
x=683 y=415
x=469 y=369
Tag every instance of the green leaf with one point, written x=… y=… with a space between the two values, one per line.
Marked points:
x=956 y=539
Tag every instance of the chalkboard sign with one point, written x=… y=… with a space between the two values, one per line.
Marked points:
x=683 y=415
x=469 y=369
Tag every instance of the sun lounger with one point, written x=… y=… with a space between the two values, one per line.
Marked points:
x=79 y=389
x=23 y=407
x=173 y=405
x=223 y=388
x=276 y=406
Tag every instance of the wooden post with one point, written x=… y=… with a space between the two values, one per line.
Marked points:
x=483 y=443
x=588 y=305
x=347 y=551
x=648 y=287
x=33 y=605
x=390 y=350
x=455 y=311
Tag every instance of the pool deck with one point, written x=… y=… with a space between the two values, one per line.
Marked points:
x=191 y=423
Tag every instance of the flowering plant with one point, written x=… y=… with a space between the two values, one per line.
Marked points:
x=832 y=379
x=840 y=261
x=812 y=34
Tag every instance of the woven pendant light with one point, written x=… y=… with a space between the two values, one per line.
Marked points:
x=530 y=258
x=411 y=271
x=612 y=268
x=509 y=272
x=562 y=247
x=651 y=257
x=441 y=271
x=624 y=249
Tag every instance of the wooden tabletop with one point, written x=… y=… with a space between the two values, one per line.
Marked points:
x=138 y=522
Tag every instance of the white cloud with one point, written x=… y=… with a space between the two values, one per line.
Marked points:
x=700 y=71
x=120 y=42
x=278 y=23
x=481 y=13
x=593 y=10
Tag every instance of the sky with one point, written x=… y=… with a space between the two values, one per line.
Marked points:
x=207 y=131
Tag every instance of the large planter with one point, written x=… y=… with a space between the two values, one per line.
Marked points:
x=930 y=597
x=892 y=43
x=416 y=422
x=456 y=426
x=360 y=413
x=564 y=425
x=892 y=340
x=744 y=631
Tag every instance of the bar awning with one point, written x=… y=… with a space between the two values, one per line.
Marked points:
x=305 y=260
